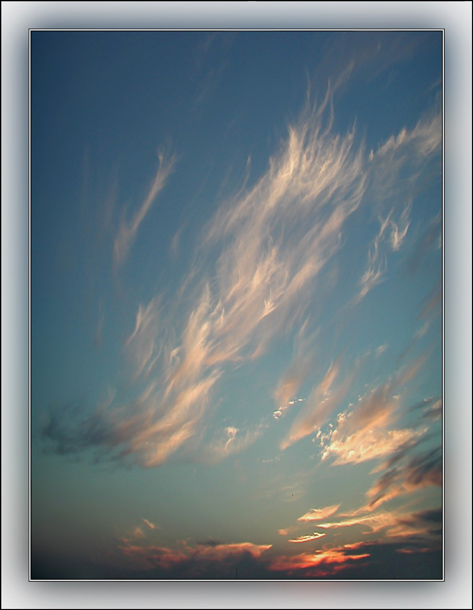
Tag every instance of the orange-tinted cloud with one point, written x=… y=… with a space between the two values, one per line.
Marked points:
x=153 y=556
x=308 y=537
x=221 y=551
x=211 y=552
x=300 y=367
x=318 y=564
x=262 y=256
x=151 y=526
x=395 y=524
x=324 y=398
x=318 y=514
x=365 y=432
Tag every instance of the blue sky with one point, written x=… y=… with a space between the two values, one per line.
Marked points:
x=236 y=299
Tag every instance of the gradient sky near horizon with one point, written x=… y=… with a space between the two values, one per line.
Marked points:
x=236 y=305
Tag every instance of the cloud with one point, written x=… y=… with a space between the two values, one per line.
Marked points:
x=378 y=252
x=138 y=533
x=211 y=542
x=221 y=551
x=376 y=264
x=367 y=445
x=410 y=533
x=145 y=428
x=207 y=559
x=435 y=411
x=421 y=142
x=308 y=538
x=318 y=564
x=363 y=433
x=395 y=524
x=163 y=435
x=406 y=469
x=431 y=239
x=300 y=367
x=375 y=522
x=380 y=350
x=153 y=556
x=318 y=514
x=282 y=232
x=355 y=60
x=323 y=400
x=422 y=559
x=230 y=441
x=272 y=241
x=424 y=469
x=403 y=451
x=207 y=78
x=151 y=526
x=393 y=181
x=142 y=344
x=260 y=260
x=128 y=230
x=432 y=408
x=419 y=471
x=434 y=302
x=429 y=311
x=399 y=231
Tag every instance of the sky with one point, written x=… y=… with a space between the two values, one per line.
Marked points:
x=236 y=305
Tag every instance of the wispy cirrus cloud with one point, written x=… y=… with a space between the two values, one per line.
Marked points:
x=265 y=270
x=355 y=62
x=376 y=266
x=434 y=302
x=260 y=261
x=128 y=229
x=142 y=345
x=403 y=155
x=147 y=429
x=420 y=142
x=391 y=235
x=399 y=229
x=230 y=441
x=207 y=77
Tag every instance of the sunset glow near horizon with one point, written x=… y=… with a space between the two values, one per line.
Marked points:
x=236 y=305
